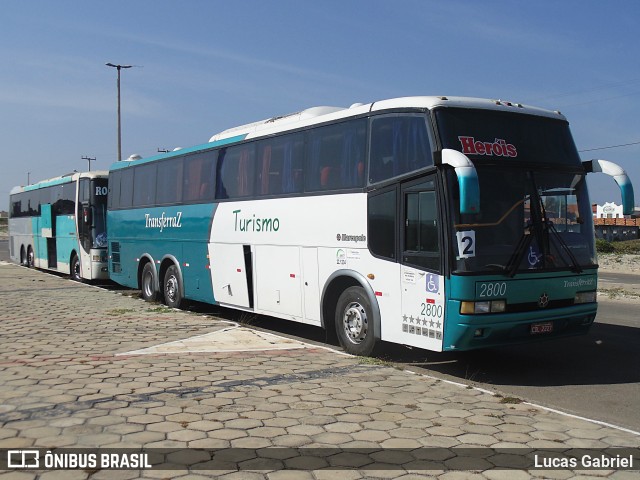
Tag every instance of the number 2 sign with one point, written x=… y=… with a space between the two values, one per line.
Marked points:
x=466 y=244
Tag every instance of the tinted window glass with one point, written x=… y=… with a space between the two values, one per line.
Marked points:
x=126 y=188
x=199 y=177
x=421 y=238
x=114 y=189
x=280 y=165
x=169 y=187
x=144 y=185
x=335 y=156
x=236 y=172
x=399 y=145
x=382 y=224
x=68 y=200
x=486 y=136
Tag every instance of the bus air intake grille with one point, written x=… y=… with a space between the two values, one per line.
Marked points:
x=533 y=306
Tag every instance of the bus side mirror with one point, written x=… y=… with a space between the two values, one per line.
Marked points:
x=467 y=180
x=86 y=215
x=621 y=178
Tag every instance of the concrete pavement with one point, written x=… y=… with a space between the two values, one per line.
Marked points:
x=92 y=370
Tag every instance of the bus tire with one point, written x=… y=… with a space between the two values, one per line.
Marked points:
x=30 y=257
x=354 y=322
x=75 y=271
x=173 y=294
x=148 y=283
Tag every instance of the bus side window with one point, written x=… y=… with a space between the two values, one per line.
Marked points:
x=382 y=224
x=335 y=156
x=169 y=187
x=199 y=177
x=399 y=144
x=144 y=185
x=236 y=171
x=280 y=165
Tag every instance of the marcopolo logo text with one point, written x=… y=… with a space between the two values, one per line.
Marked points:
x=163 y=221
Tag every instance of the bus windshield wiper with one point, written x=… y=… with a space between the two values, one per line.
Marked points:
x=511 y=267
x=574 y=262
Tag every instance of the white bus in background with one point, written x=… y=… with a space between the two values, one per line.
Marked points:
x=60 y=224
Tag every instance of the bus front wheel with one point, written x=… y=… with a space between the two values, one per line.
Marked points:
x=30 y=257
x=173 y=288
x=354 y=322
x=148 y=284
x=76 y=274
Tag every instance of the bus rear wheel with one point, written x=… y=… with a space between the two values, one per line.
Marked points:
x=30 y=258
x=173 y=295
x=76 y=274
x=354 y=322
x=148 y=284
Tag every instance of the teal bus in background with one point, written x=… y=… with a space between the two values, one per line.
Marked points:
x=60 y=225
x=444 y=223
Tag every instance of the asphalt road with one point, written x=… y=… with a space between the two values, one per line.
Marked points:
x=595 y=375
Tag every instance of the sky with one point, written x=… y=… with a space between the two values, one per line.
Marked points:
x=202 y=66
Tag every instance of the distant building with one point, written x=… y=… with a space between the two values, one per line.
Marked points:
x=612 y=225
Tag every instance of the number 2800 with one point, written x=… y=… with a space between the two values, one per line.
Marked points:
x=493 y=289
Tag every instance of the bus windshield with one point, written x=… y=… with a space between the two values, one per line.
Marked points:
x=535 y=211
x=530 y=220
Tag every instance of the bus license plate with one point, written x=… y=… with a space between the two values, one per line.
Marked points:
x=546 y=327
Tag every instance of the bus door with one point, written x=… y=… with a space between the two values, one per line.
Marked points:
x=47 y=227
x=83 y=215
x=423 y=299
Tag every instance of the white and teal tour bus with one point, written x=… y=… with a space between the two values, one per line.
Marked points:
x=60 y=225
x=439 y=223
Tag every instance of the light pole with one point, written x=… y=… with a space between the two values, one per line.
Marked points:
x=89 y=159
x=119 y=67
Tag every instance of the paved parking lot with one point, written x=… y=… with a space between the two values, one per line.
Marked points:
x=84 y=368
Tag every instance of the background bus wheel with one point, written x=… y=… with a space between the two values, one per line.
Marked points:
x=354 y=322
x=147 y=283
x=30 y=258
x=75 y=269
x=172 y=288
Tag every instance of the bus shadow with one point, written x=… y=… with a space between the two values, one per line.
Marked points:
x=607 y=355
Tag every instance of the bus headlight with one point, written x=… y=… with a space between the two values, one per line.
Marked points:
x=493 y=306
x=585 y=297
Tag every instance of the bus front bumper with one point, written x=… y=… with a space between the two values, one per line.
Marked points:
x=467 y=332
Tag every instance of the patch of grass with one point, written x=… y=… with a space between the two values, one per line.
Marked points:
x=374 y=361
x=510 y=400
x=622 y=248
x=159 y=309
x=618 y=292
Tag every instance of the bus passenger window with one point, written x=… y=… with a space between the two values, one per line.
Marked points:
x=236 y=171
x=144 y=185
x=199 y=177
x=399 y=144
x=169 y=187
x=335 y=156
x=280 y=165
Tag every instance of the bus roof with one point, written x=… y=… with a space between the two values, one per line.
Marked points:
x=69 y=177
x=316 y=115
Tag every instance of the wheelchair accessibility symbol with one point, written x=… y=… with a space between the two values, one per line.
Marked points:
x=433 y=283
